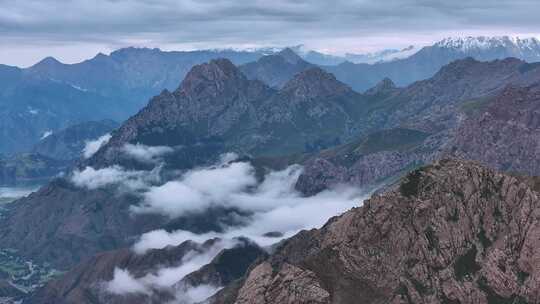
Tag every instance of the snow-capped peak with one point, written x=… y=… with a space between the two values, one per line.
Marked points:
x=483 y=43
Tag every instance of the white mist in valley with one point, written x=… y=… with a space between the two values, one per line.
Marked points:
x=271 y=209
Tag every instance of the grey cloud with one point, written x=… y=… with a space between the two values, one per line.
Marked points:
x=339 y=25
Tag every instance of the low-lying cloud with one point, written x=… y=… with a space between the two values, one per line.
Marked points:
x=274 y=205
x=199 y=190
x=124 y=282
x=91 y=178
x=146 y=154
x=92 y=146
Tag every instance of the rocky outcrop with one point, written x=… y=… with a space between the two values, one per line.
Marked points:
x=452 y=232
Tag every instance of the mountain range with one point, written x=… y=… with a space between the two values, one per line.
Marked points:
x=452 y=158
x=429 y=59
x=217 y=109
x=50 y=95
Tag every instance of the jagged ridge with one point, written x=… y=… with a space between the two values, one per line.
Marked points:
x=453 y=232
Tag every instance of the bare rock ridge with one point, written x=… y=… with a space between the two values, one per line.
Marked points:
x=453 y=232
x=315 y=83
x=212 y=78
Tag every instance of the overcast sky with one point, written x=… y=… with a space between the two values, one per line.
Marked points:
x=73 y=30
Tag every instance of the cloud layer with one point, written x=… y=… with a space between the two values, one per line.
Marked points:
x=334 y=25
x=273 y=204
x=146 y=154
x=91 y=178
x=269 y=210
x=124 y=282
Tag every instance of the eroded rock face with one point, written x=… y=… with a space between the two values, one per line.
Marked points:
x=454 y=232
x=506 y=134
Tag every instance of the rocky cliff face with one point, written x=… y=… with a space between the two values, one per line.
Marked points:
x=453 y=232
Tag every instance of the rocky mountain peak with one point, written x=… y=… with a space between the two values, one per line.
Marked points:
x=290 y=56
x=47 y=63
x=211 y=78
x=462 y=67
x=383 y=87
x=315 y=83
x=276 y=69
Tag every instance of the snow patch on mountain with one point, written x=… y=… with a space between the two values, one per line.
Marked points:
x=466 y=44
